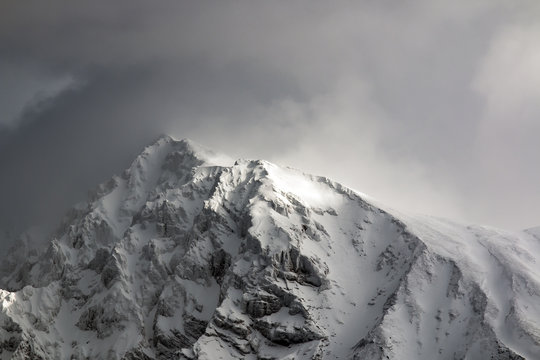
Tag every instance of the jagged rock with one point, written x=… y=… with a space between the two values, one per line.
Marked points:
x=259 y=305
x=110 y=274
x=194 y=327
x=137 y=354
x=236 y=325
x=287 y=335
x=220 y=264
x=101 y=321
x=168 y=345
x=100 y=260
x=90 y=319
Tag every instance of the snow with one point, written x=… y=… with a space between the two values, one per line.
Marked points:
x=188 y=239
x=306 y=188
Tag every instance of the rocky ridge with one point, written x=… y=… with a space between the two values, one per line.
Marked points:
x=189 y=254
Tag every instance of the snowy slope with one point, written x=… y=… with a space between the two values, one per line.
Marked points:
x=189 y=254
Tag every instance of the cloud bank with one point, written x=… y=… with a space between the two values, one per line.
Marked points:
x=426 y=105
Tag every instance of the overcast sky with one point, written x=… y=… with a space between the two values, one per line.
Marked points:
x=431 y=106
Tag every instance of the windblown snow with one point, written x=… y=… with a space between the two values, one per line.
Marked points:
x=190 y=255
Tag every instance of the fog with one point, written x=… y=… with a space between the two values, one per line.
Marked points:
x=428 y=106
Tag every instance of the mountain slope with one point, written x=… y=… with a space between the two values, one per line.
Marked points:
x=187 y=255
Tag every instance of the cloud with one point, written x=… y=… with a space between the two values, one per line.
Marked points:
x=392 y=99
x=342 y=133
x=508 y=83
x=509 y=77
x=23 y=88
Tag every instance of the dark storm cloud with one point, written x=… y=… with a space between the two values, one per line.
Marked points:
x=399 y=101
x=68 y=144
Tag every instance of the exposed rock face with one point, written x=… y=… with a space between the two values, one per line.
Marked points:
x=186 y=257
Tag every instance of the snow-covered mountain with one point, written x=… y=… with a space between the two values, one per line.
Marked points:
x=189 y=254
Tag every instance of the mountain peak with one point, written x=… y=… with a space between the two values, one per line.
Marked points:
x=186 y=258
x=168 y=144
x=166 y=139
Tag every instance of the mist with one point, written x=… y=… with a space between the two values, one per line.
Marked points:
x=428 y=106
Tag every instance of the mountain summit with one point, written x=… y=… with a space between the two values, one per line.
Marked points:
x=190 y=255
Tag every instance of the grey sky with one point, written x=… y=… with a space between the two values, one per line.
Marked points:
x=430 y=106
